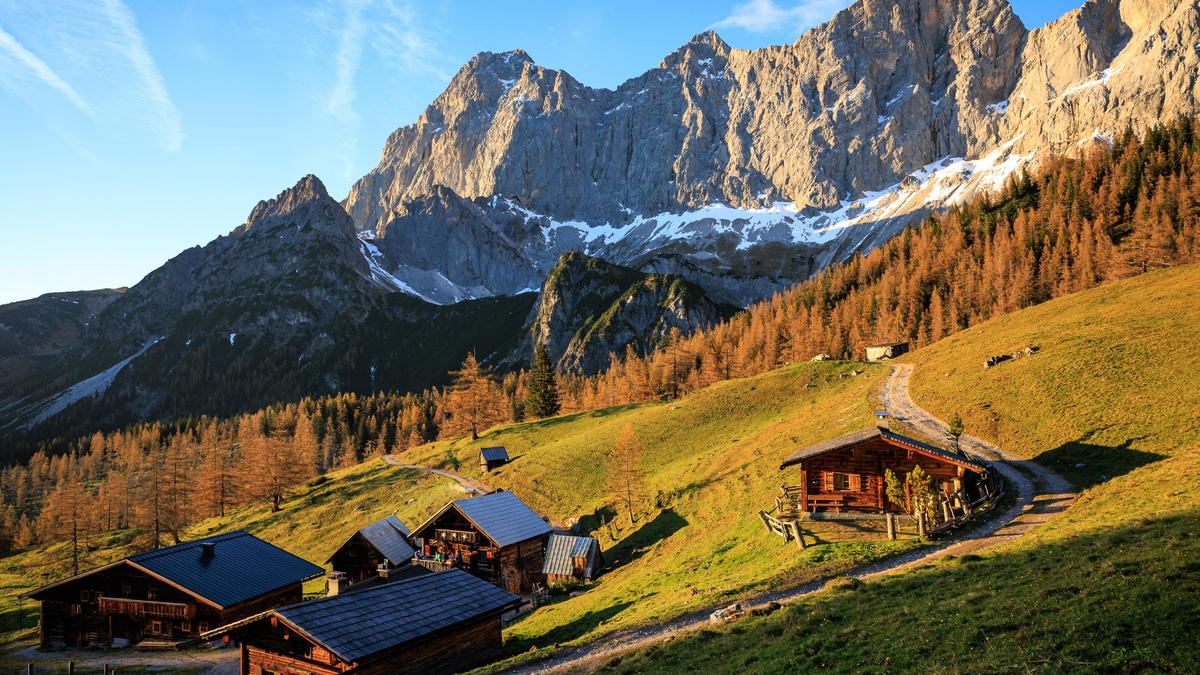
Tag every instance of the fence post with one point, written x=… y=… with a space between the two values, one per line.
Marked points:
x=891 y=526
x=799 y=534
x=70 y=668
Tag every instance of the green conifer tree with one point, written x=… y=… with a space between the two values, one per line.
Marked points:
x=542 y=399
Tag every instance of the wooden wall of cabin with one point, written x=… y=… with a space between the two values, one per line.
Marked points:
x=865 y=466
x=268 y=648
x=521 y=564
x=478 y=557
x=358 y=559
x=71 y=615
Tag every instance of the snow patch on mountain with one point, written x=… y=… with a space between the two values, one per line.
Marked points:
x=90 y=387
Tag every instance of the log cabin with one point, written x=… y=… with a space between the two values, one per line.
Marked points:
x=382 y=544
x=491 y=458
x=434 y=623
x=846 y=474
x=568 y=557
x=170 y=595
x=496 y=537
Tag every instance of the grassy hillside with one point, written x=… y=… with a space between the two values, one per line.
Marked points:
x=312 y=524
x=711 y=462
x=1107 y=586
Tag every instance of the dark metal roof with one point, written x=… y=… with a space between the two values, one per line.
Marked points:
x=503 y=518
x=497 y=454
x=390 y=537
x=362 y=623
x=240 y=568
x=887 y=344
x=561 y=549
x=870 y=434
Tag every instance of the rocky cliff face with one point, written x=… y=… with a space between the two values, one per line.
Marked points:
x=33 y=333
x=746 y=170
x=590 y=309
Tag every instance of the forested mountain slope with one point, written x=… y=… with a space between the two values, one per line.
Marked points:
x=1106 y=585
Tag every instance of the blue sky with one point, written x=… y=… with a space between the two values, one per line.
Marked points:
x=132 y=130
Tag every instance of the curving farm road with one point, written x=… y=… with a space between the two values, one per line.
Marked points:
x=1041 y=495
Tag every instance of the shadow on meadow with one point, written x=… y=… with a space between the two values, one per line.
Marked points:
x=634 y=546
x=1118 y=599
x=1087 y=464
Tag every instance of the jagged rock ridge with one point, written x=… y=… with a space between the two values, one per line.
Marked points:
x=819 y=149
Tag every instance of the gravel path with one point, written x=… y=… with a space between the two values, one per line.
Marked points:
x=468 y=483
x=1041 y=494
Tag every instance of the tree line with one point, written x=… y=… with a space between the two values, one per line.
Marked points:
x=1113 y=212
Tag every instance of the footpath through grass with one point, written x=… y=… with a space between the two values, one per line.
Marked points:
x=312 y=524
x=1109 y=586
x=711 y=461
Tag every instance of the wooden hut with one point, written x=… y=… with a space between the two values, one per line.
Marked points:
x=496 y=537
x=887 y=350
x=434 y=623
x=490 y=458
x=170 y=595
x=381 y=545
x=846 y=474
x=570 y=557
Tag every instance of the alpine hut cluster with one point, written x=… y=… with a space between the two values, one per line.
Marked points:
x=431 y=599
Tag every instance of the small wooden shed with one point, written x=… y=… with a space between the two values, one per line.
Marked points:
x=490 y=458
x=569 y=557
x=434 y=623
x=496 y=537
x=888 y=350
x=382 y=543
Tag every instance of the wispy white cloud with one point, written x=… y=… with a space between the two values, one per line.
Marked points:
x=93 y=54
x=392 y=31
x=130 y=42
x=23 y=59
x=766 y=16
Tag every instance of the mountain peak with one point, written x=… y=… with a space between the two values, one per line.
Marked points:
x=308 y=194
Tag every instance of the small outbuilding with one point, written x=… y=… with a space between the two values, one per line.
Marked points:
x=490 y=458
x=889 y=350
x=171 y=595
x=496 y=537
x=569 y=557
x=434 y=623
x=383 y=545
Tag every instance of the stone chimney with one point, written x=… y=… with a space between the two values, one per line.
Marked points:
x=881 y=419
x=384 y=570
x=335 y=583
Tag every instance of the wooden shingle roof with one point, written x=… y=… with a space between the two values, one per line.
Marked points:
x=865 y=435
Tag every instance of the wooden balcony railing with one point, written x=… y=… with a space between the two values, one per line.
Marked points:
x=147 y=608
x=432 y=565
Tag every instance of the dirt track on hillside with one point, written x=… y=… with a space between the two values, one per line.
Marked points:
x=1041 y=494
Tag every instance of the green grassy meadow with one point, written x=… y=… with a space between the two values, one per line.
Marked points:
x=1108 y=586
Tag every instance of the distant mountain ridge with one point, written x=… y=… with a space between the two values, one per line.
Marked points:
x=747 y=170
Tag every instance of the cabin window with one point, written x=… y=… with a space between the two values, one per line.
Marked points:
x=76 y=609
x=185 y=626
x=126 y=589
x=841 y=481
x=156 y=627
x=319 y=654
x=83 y=596
x=203 y=626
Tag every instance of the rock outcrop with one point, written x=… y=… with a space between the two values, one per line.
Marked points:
x=590 y=309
